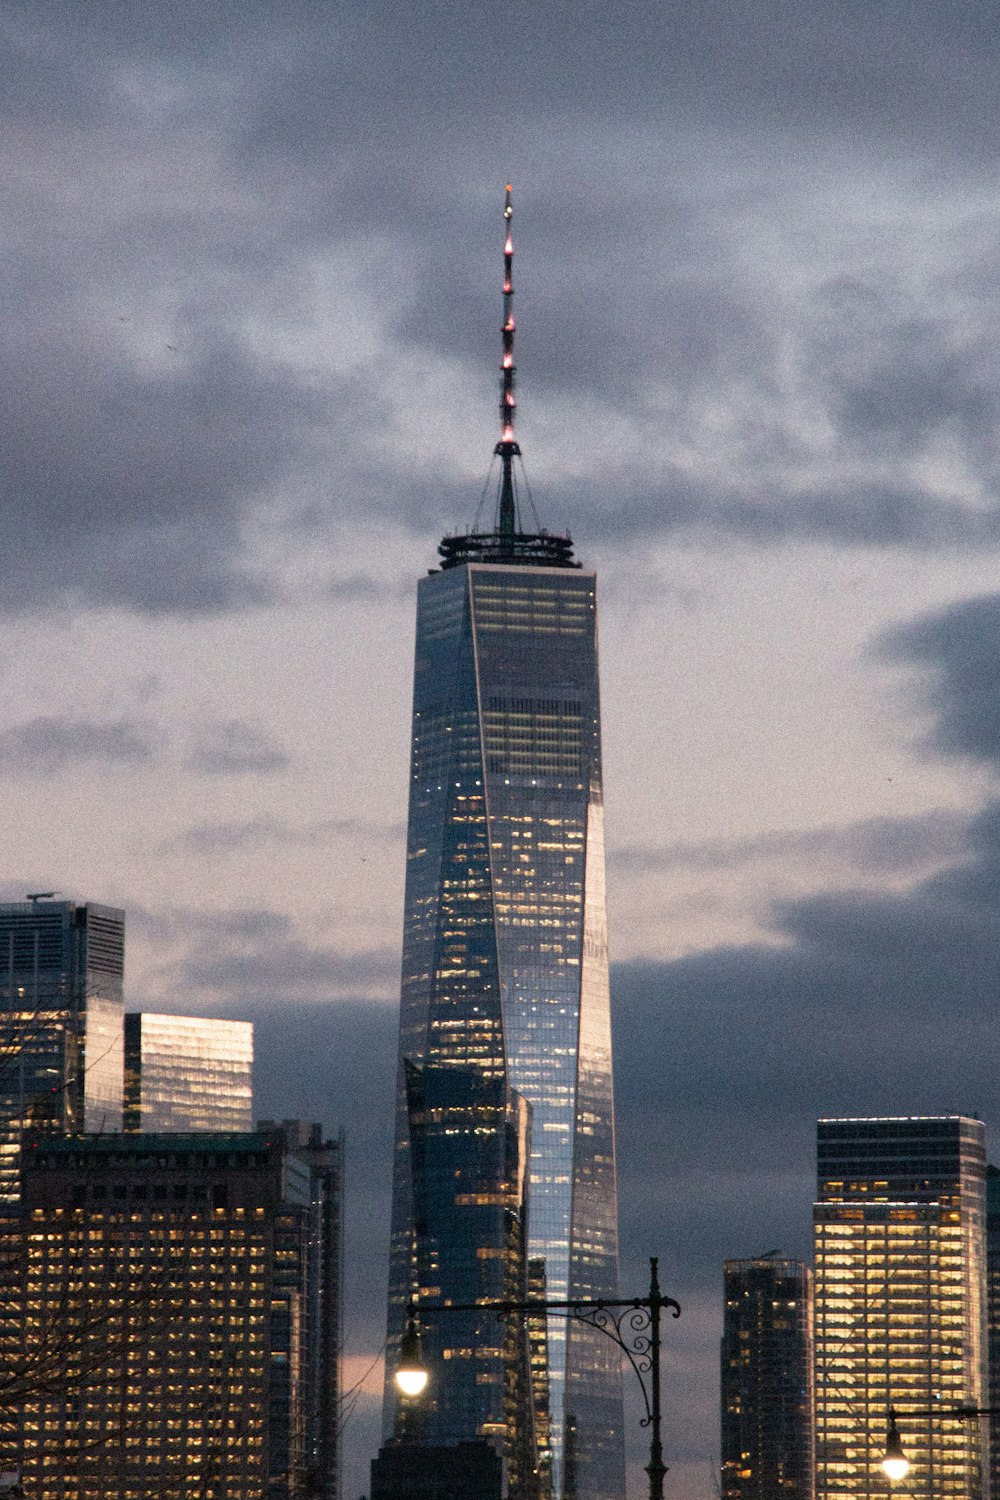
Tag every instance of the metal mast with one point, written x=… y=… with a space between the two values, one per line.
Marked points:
x=507 y=448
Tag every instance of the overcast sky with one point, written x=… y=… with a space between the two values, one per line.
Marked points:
x=248 y=377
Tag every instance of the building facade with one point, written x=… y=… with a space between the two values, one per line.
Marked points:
x=993 y=1317
x=469 y=1153
x=311 y=1279
x=156 y=1330
x=900 y=1287
x=187 y=1073
x=505 y=966
x=61 y=1023
x=767 y=1448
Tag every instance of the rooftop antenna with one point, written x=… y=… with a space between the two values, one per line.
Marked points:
x=35 y=896
x=507 y=448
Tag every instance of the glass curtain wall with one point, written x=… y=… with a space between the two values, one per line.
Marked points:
x=505 y=946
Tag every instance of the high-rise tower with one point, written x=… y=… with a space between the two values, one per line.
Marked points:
x=505 y=970
x=61 y=1023
x=899 y=1304
x=767 y=1380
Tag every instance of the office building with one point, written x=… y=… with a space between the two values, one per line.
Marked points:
x=505 y=947
x=61 y=1014
x=187 y=1073
x=767 y=1451
x=993 y=1317
x=900 y=1287
x=158 y=1330
x=313 y=1226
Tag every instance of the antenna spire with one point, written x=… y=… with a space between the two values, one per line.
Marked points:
x=507 y=448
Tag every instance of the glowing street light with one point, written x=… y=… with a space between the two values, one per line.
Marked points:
x=895 y=1464
x=411 y=1372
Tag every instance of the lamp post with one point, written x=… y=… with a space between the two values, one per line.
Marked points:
x=633 y=1323
x=895 y=1464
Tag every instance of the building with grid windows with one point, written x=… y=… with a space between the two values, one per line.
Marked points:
x=158 y=1327
x=993 y=1316
x=505 y=969
x=61 y=1023
x=900 y=1285
x=187 y=1073
x=767 y=1451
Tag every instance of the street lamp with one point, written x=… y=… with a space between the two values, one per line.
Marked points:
x=895 y=1464
x=633 y=1323
x=411 y=1372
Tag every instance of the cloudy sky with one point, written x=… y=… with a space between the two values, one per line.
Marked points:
x=249 y=355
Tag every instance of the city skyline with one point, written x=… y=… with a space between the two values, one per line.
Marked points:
x=249 y=386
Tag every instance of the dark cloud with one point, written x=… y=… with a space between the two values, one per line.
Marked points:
x=235 y=748
x=253 y=956
x=958 y=649
x=179 y=182
x=211 y=839
x=52 y=743
x=290 y=969
x=877 y=846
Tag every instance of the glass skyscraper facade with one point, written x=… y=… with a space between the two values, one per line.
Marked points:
x=900 y=1286
x=61 y=1023
x=469 y=1142
x=187 y=1073
x=505 y=946
x=505 y=985
x=767 y=1450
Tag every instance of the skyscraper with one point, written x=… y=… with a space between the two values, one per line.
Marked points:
x=187 y=1073
x=505 y=967
x=993 y=1317
x=166 y=1325
x=61 y=1016
x=313 y=1225
x=900 y=1266
x=767 y=1381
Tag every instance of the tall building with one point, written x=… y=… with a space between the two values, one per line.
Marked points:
x=993 y=1316
x=313 y=1225
x=61 y=1014
x=767 y=1451
x=900 y=1286
x=187 y=1073
x=505 y=968
x=157 y=1331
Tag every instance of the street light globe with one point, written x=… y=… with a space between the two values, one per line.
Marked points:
x=411 y=1382
x=411 y=1372
x=895 y=1465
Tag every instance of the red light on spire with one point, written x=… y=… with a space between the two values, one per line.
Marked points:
x=507 y=446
